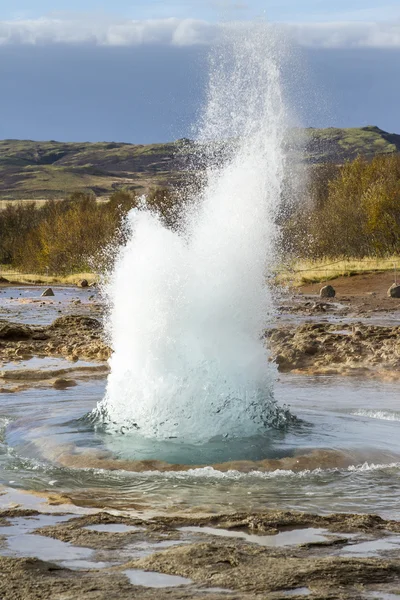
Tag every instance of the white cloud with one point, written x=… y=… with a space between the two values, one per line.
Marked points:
x=186 y=32
x=347 y=34
x=172 y=31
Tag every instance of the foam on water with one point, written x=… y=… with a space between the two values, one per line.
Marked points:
x=187 y=308
x=210 y=473
x=382 y=415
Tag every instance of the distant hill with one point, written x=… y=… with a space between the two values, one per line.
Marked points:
x=339 y=145
x=35 y=170
x=40 y=170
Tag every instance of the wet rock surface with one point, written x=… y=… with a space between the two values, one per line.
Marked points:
x=218 y=566
x=214 y=567
x=312 y=335
x=330 y=348
x=15 y=332
x=314 y=348
x=251 y=569
x=72 y=337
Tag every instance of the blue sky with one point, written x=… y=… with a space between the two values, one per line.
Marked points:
x=136 y=70
x=276 y=10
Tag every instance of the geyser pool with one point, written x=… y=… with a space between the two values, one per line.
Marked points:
x=187 y=307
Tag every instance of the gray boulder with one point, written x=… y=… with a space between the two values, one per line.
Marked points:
x=327 y=292
x=394 y=291
x=48 y=292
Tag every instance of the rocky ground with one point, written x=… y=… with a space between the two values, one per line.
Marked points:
x=356 y=331
x=72 y=337
x=350 y=349
x=218 y=556
x=232 y=559
x=311 y=347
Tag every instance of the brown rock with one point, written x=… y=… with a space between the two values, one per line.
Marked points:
x=14 y=331
x=40 y=336
x=283 y=362
x=63 y=384
x=394 y=291
x=327 y=292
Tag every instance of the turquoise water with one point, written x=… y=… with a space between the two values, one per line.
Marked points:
x=346 y=440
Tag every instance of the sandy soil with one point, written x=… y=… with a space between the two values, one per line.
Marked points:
x=365 y=292
x=357 y=285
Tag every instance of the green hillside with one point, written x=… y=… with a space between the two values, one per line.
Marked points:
x=41 y=170
x=338 y=145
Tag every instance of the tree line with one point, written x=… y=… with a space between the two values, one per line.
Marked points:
x=349 y=211
x=70 y=236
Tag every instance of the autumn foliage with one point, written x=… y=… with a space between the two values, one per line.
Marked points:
x=63 y=237
x=348 y=211
x=343 y=211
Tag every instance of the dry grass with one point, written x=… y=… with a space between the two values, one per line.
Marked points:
x=38 y=202
x=296 y=273
x=35 y=278
x=301 y=272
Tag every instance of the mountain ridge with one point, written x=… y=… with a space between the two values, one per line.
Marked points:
x=51 y=169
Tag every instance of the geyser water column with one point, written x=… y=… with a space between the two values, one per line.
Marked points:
x=187 y=308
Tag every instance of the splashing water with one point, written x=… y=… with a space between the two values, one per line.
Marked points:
x=187 y=308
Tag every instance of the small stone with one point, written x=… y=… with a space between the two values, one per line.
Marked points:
x=48 y=292
x=283 y=363
x=40 y=335
x=319 y=306
x=63 y=384
x=394 y=291
x=327 y=292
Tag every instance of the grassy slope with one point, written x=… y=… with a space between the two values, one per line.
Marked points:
x=326 y=145
x=36 y=170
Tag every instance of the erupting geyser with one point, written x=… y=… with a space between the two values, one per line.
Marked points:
x=187 y=308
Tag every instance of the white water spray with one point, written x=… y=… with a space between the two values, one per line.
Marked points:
x=188 y=308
